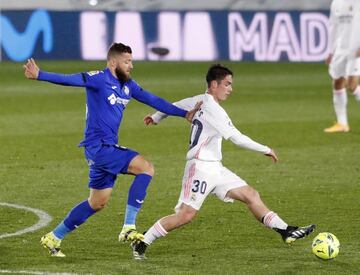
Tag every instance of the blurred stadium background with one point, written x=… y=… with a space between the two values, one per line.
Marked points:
x=282 y=97
x=191 y=30
x=150 y=5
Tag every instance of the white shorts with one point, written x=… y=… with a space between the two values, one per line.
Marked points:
x=343 y=66
x=202 y=178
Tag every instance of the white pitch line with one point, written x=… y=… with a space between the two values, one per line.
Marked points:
x=33 y=272
x=44 y=219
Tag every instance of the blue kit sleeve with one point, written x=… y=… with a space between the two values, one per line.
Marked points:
x=78 y=80
x=93 y=79
x=157 y=102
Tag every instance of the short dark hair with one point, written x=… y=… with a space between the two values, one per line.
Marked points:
x=118 y=48
x=217 y=72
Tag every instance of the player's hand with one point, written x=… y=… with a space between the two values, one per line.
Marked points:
x=31 y=69
x=328 y=59
x=189 y=115
x=357 y=54
x=272 y=155
x=148 y=120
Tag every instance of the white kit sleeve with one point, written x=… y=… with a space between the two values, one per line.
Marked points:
x=245 y=142
x=186 y=104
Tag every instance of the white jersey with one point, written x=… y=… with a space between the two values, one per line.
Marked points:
x=209 y=126
x=345 y=27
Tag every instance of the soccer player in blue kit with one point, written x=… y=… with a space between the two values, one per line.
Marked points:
x=107 y=92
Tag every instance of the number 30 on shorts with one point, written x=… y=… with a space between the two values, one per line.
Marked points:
x=197 y=186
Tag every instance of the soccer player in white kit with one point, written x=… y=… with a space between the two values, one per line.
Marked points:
x=204 y=173
x=344 y=58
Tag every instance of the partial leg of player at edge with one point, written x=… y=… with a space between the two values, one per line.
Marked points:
x=97 y=201
x=185 y=214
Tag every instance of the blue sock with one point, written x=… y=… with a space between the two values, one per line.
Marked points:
x=130 y=214
x=137 y=194
x=77 y=216
x=61 y=231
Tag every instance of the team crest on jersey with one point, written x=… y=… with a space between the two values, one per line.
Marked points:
x=193 y=197
x=126 y=90
x=91 y=73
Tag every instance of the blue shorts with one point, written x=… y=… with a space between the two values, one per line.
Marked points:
x=106 y=162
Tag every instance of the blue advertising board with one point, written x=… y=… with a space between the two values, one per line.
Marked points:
x=294 y=36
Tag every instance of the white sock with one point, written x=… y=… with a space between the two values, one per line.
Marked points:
x=340 y=102
x=154 y=232
x=356 y=93
x=272 y=220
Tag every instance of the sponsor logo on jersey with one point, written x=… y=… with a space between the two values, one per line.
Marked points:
x=113 y=99
x=113 y=87
x=140 y=201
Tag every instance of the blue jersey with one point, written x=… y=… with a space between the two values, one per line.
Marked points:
x=106 y=99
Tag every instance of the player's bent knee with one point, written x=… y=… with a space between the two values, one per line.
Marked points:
x=147 y=168
x=255 y=195
x=251 y=195
x=97 y=205
x=186 y=217
x=339 y=83
x=139 y=165
x=150 y=170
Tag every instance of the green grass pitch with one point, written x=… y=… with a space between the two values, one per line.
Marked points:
x=285 y=106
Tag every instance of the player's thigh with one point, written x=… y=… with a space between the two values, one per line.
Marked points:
x=106 y=163
x=100 y=178
x=228 y=181
x=196 y=185
x=246 y=194
x=353 y=67
x=114 y=159
x=140 y=165
x=353 y=73
x=337 y=67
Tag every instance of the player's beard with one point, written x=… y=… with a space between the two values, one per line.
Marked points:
x=120 y=74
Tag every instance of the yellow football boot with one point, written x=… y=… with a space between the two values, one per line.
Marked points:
x=337 y=128
x=129 y=233
x=52 y=245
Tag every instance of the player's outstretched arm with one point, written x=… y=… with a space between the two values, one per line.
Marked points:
x=186 y=104
x=246 y=142
x=272 y=155
x=31 y=69
x=158 y=116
